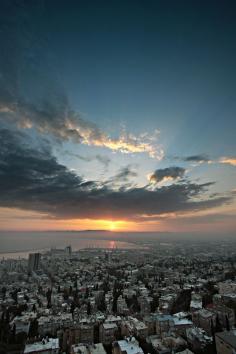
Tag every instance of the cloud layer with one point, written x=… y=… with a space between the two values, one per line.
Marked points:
x=31 y=96
x=60 y=121
x=167 y=174
x=196 y=158
x=228 y=160
x=199 y=159
x=32 y=179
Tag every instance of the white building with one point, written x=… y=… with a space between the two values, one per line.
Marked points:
x=46 y=346
x=127 y=346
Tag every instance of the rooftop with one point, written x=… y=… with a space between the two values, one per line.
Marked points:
x=109 y=325
x=89 y=349
x=45 y=344
x=130 y=346
x=229 y=337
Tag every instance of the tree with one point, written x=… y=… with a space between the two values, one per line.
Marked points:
x=227 y=323
x=102 y=304
x=155 y=303
x=117 y=291
x=105 y=286
x=65 y=295
x=14 y=295
x=33 y=330
x=4 y=290
x=70 y=290
x=72 y=308
x=49 y=297
x=182 y=302
x=89 y=308
x=34 y=308
x=76 y=297
x=87 y=292
x=76 y=284
x=218 y=327
x=133 y=304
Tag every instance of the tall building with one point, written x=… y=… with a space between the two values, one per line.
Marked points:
x=68 y=250
x=34 y=261
x=107 y=333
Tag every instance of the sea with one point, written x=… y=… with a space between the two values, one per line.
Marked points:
x=19 y=244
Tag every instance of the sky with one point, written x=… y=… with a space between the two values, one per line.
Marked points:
x=118 y=115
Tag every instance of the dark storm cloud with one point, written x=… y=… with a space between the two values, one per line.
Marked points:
x=122 y=180
x=197 y=158
x=169 y=173
x=33 y=179
x=26 y=173
x=124 y=174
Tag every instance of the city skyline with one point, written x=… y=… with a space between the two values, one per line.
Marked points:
x=118 y=116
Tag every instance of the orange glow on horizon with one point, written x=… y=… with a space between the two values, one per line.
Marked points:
x=110 y=225
x=13 y=219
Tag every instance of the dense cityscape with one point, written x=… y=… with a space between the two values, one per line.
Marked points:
x=164 y=298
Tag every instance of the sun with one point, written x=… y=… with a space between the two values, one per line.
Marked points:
x=112 y=225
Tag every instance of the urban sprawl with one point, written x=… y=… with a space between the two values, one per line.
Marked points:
x=161 y=298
